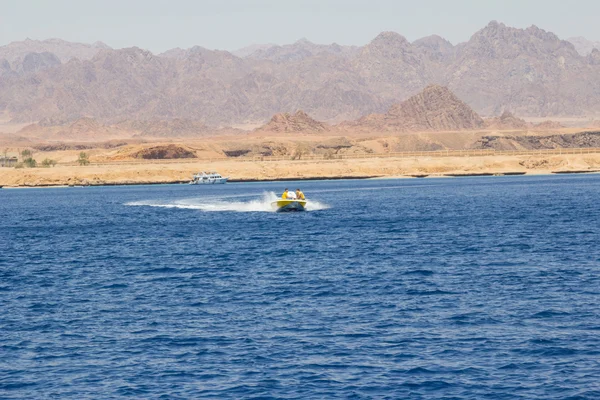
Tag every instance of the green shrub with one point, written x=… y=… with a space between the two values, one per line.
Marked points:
x=48 y=163
x=30 y=162
x=83 y=159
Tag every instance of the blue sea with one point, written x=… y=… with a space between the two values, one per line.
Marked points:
x=465 y=288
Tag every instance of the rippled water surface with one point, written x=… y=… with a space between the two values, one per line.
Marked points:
x=442 y=288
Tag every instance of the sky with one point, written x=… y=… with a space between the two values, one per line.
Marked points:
x=159 y=25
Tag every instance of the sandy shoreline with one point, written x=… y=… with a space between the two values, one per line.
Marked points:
x=155 y=173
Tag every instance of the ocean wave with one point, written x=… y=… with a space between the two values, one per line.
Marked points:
x=260 y=204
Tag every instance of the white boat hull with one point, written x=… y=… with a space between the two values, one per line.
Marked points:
x=209 y=181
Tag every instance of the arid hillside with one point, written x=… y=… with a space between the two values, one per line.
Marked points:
x=434 y=109
x=558 y=141
x=434 y=119
x=289 y=123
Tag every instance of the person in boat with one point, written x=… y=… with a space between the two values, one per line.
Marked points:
x=300 y=195
x=285 y=194
x=291 y=196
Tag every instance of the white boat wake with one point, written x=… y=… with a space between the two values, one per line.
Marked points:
x=262 y=204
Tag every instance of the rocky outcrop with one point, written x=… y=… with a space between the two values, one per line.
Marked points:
x=434 y=109
x=29 y=64
x=166 y=152
x=507 y=121
x=34 y=62
x=268 y=148
x=578 y=140
x=6 y=69
x=60 y=146
x=336 y=144
x=300 y=122
x=594 y=57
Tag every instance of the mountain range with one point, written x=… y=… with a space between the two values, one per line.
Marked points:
x=62 y=49
x=530 y=72
x=434 y=109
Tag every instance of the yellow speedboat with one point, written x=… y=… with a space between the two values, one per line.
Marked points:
x=283 y=205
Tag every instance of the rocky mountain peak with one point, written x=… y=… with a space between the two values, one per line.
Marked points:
x=497 y=41
x=436 y=108
x=495 y=33
x=390 y=59
x=176 y=52
x=541 y=34
x=492 y=28
x=298 y=122
x=304 y=41
x=435 y=47
x=506 y=121
x=389 y=39
x=433 y=42
x=100 y=45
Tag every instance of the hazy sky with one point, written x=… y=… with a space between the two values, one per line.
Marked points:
x=159 y=25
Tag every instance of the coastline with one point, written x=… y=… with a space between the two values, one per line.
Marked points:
x=185 y=182
x=301 y=170
x=319 y=178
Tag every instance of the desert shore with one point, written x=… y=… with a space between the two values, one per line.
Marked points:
x=298 y=170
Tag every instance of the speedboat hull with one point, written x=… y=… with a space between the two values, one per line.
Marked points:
x=289 y=205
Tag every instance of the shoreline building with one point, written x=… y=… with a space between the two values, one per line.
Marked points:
x=8 y=161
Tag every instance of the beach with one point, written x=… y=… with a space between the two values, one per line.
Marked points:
x=236 y=170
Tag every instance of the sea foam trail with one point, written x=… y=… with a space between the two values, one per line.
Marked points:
x=261 y=204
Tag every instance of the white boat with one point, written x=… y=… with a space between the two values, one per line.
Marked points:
x=207 y=178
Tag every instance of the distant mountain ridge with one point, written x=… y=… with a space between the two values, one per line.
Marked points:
x=528 y=71
x=583 y=45
x=62 y=49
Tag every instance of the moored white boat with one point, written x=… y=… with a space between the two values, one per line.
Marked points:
x=208 y=178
